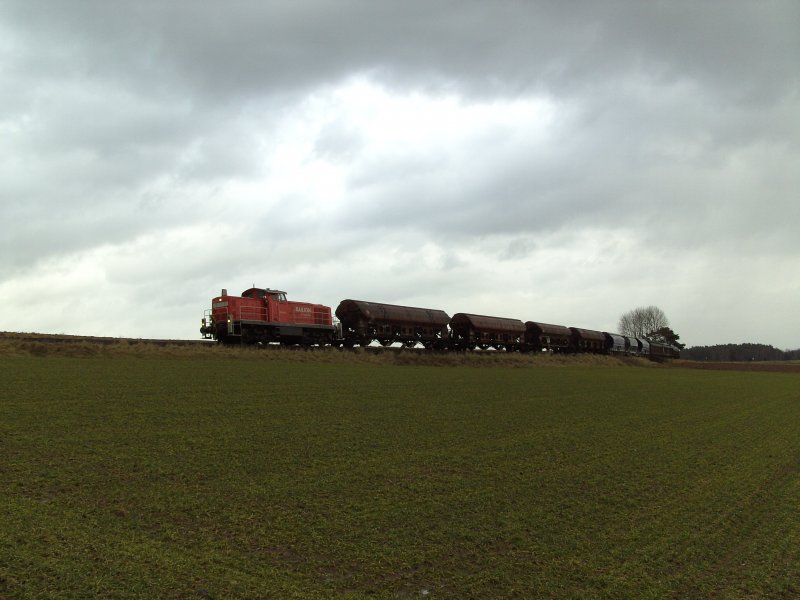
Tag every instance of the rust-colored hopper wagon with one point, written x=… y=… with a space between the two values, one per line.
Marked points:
x=364 y=322
x=587 y=340
x=468 y=332
x=543 y=337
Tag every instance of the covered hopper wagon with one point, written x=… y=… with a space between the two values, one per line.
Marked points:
x=364 y=322
x=479 y=331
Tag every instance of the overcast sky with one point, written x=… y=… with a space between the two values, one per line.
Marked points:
x=551 y=161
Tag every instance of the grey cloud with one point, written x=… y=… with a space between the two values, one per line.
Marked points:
x=246 y=48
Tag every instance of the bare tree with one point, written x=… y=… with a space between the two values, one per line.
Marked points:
x=641 y=322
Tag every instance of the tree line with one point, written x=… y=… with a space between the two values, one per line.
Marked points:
x=739 y=352
x=650 y=323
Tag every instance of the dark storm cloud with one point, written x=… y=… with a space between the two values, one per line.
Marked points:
x=231 y=49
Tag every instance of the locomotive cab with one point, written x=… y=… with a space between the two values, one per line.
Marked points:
x=264 y=294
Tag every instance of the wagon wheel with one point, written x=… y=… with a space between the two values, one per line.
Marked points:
x=385 y=343
x=410 y=343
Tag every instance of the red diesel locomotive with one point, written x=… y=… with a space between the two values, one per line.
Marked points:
x=264 y=315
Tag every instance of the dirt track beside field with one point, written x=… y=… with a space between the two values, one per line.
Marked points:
x=772 y=366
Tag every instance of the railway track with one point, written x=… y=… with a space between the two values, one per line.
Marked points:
x=64 y=339
x=47 y=338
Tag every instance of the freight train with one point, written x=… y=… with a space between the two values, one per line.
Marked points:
x=265 y=316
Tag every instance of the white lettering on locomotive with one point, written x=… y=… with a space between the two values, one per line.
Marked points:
x=302 y=309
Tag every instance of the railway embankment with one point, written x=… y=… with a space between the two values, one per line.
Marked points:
x=36 y=344
x=40 y=344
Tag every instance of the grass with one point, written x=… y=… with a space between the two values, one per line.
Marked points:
x=17 y=345
x=255 y=476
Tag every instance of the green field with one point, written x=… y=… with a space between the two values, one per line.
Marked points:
x=183 y=477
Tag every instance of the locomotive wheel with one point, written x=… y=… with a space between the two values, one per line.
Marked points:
x=409 y=343
x=386 y=343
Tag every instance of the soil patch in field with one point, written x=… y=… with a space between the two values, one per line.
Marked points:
x=767 y=366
